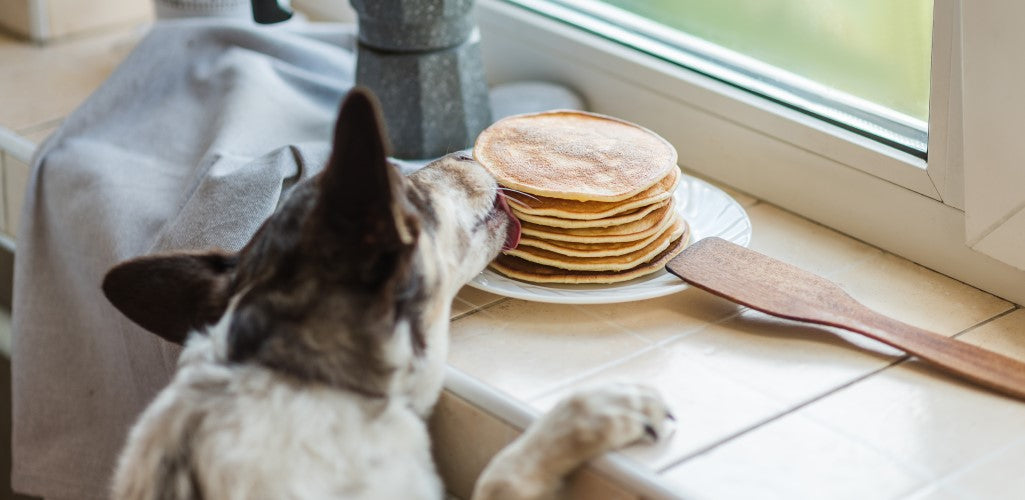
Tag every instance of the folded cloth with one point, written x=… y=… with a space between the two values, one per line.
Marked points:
x=190 y=144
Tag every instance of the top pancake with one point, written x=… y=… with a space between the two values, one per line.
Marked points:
x=573 y=155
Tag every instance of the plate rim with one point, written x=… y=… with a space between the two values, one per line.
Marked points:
x=743 y=239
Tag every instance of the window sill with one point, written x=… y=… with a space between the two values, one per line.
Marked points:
x=758 y=398
x=832 y=176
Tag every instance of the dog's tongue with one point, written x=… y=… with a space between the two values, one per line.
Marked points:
x=512 y=231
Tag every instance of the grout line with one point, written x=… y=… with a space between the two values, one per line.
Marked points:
x=986 y=321
x=948 y=479
x=477 y=309
x=569 y=381
x=705 y=449
x=747 y=430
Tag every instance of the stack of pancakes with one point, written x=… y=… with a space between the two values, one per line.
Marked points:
x=594 y=195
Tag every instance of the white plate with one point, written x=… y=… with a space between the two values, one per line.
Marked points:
x=708 y=210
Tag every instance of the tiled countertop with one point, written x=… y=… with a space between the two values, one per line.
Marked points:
x=766 y=408
x=769 y=408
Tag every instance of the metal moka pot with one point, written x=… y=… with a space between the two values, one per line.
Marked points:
x=422 y=59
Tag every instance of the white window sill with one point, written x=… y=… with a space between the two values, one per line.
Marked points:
x=830 y=175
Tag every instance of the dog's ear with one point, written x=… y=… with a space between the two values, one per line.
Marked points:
x=360 y=190
x=172 y=294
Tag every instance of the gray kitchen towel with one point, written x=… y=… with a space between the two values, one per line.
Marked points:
x=191 y=143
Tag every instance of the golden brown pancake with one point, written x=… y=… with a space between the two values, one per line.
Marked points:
x=571 y=249
x=650 y=224
x=573 y=155
x=544 y=206
x=615 y=220
x=520 y=269
x=606 y=263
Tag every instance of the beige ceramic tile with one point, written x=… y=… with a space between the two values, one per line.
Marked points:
x=729 y=377
x=1005 y=335
x=42 y=84
x=795 y=458
x=660 y=318
x=39 y=133
x=959 y=440
x=994 y=477
x=784 y=360
x=16 y=174
x=923 y=418
x=526 y=348
x=913 y=294
x=805 y=244
x=708 y=406
x=70 y=17
x=470 y=299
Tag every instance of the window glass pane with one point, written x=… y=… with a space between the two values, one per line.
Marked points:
x=874 y=49
x=863 y=65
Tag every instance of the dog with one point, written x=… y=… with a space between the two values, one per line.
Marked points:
x=314 y=355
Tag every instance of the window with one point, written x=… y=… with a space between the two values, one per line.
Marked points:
x=861 y=64
x=959 y=210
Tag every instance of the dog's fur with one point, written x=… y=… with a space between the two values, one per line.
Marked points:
x=314 y=355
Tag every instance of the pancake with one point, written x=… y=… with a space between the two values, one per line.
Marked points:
x=589 y=210
x=650 y=224
x=571 y=249
x=573 y=155
x=607 y=263
x=615 y=220
x=523 y=270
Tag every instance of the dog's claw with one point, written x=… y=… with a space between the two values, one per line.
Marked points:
x=670 y=416
x=650 y=431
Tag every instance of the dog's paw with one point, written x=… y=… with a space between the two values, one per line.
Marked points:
x=596 y=420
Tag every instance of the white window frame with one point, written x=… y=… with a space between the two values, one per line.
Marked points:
x=888 y=198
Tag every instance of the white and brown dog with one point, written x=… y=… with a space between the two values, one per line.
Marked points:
x=313 y=356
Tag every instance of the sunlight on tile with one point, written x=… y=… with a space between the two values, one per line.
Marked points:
x=526 y=348
x=805 y=244
x=708 y=406
x=660 y=318
x=997 y=476
x=913 y=294
x=904 y=410
x=785 y=360
x=959 y=439
x=793 y=459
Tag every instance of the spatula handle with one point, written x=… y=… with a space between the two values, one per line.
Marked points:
x=982 y=366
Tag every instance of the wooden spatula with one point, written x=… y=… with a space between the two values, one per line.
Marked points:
x=768 y=285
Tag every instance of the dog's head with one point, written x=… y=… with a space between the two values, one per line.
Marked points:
x=349 y=283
